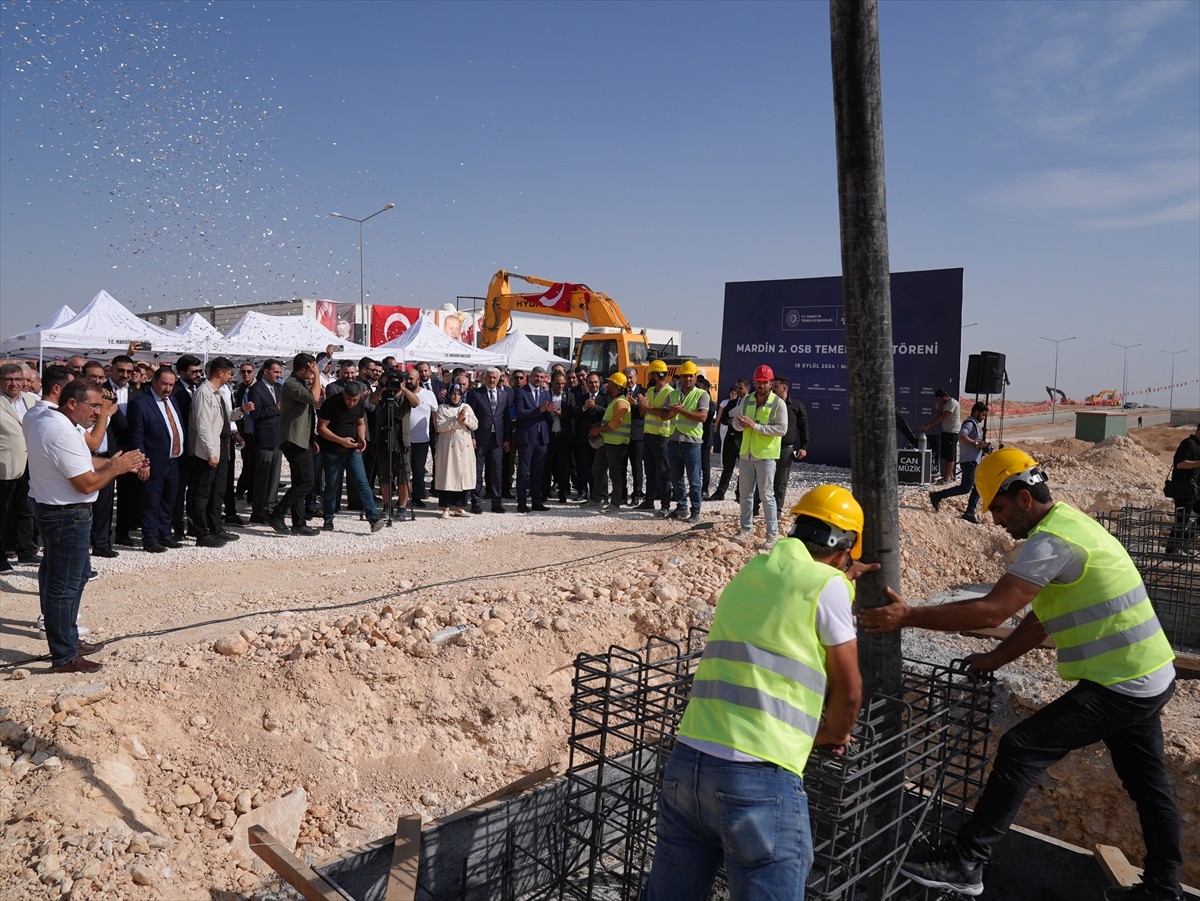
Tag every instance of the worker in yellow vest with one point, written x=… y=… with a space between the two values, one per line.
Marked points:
x=762 y=419
x=657 y=428
x=1089 y=597
x=613 y=432
x=688 y=408
x=782 y=647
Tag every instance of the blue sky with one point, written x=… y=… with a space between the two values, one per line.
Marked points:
x=177 y=154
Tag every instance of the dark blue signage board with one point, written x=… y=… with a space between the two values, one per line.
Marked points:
x=798 y=328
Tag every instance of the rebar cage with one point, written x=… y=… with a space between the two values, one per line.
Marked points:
x=916 y=761
x=1164 y=549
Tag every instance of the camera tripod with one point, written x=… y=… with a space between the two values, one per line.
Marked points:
x=392 y=445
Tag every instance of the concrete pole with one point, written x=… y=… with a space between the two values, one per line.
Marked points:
x=866 y=279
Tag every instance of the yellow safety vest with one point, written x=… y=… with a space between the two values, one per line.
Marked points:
x=682 y=424
x=619 y=435
x=762 y=447
x=1103 y=623
x=655 y=398
x=760 y=685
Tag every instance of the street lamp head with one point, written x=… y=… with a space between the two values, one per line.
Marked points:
x=339 y=215
x=390 y=206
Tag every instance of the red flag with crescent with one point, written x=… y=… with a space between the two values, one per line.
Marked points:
x=558 y=297
x=389 y=323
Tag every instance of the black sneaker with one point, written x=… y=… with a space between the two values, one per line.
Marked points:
x=276 y=522
x=327 y=526
x=944 y=868
x=679 y=513
x=934 y=500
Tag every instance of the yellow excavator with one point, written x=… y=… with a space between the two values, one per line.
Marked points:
x=609 y=345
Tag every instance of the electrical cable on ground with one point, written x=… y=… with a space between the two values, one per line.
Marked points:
x=589 y=559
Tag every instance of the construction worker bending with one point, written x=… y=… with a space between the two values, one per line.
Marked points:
x=1088 y=596
x=783 y=636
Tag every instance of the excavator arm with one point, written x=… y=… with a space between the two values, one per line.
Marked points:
x=562 y=299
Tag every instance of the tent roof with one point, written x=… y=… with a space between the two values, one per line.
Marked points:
x=21 y=339
x=285 y=336
x=522 y=353
x=424 y=342
x=103 y=328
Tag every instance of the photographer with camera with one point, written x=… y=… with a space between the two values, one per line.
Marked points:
x=973 y=446
x=394 y=396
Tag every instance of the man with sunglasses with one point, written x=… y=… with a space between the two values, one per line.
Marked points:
x=245 y=426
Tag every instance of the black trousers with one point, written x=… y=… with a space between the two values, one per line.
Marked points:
x=102 y=517
x=489 y=466
x=1131 y=729
x=179 y=516
x=206 y=495
x=127 y=504
x=558 y=465
x=783 y=469
x=635 y=457
x=16 y=518
x=419 y=455
x=729 y=455
x=265 y=491
x=1182 y=532
x=300 y=461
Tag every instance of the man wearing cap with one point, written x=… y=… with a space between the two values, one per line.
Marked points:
x=688 y=408
x=778 y=677
x=1089 y=597
x=762 y=420
x=656 y=430
x=613 y=430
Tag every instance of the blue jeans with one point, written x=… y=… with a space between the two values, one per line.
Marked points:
x=751 y=816
x=760 y=473
x=66 y=536
x=1088 y=714
x=966 y=485
x=685 y=457
x=335 y=462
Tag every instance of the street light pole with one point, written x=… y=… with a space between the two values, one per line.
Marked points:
x=1124 y=368
x=361 y=326
x=1171 y=402
x=1054 y=400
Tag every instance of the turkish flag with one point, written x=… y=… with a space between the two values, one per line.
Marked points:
x=388 y=323
x=327 y=314
x=557 y=298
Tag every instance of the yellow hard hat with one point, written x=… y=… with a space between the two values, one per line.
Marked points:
x=657 y=366
x=688 y=368
x=618 y=378
x=837 y=508
x=999 y=470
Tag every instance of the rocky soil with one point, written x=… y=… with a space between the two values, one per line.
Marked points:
x=304 y=682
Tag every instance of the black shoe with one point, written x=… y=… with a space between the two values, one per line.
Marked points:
x=305 y=530
x=123 y=540
x=419 y=504
x=695 y=517
x=540 y=508
x=103 y=552
x=6 y=567
x=476 y=509
x=327 y=526
x=170 y=543
x=944 y=868
x=275 y=521
x=154 y=549
x=645 y=505
x=508 y=496
x=209 y=541
x=521 y=508
x=234 y=520
x=934 y=501
x=679 y=513
x=970 y=517
x=498 y=508
x=29 y=559
x=259 y=521
x=227 y=536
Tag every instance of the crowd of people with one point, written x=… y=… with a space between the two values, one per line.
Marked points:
x=152 y=455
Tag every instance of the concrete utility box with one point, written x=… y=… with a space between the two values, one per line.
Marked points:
x=1095 y=426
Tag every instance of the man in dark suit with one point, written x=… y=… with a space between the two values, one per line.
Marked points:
x=533 y=439
x=119 y=383
x=491 y=403
x=562 y=445
x=156 y=429
x=189 y=373
x=588 y=412
x=268 y=458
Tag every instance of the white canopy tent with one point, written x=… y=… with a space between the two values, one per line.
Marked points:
x=424 y=342
x=22 y=339
x=522 y=353
x=259 y=335
x=102 y=329
x=204 y=339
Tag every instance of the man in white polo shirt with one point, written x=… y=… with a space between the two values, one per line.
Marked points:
x=64 y=483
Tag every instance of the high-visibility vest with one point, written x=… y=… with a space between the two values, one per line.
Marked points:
x=682 y=424
x=655 y=398
x=619 y=435
x=762 y=447
x=1103 y=623
x=760 y=684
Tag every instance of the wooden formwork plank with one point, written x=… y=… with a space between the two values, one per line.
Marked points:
x=308 y=882
x=406 y=858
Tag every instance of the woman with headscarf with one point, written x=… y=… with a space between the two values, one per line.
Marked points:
x=454 y=475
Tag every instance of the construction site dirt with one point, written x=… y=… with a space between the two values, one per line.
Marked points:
x=293 y=681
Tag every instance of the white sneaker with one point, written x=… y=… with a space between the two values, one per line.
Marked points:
x=445 y=512
x=41 y=626
x=770 y=542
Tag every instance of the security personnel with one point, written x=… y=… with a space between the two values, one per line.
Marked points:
x=1086 y=594
x=762 y=419
x=783 y=635
x=613 y=431
x=657 y=426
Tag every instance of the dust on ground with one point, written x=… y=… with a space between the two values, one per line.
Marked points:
x=318 y=673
